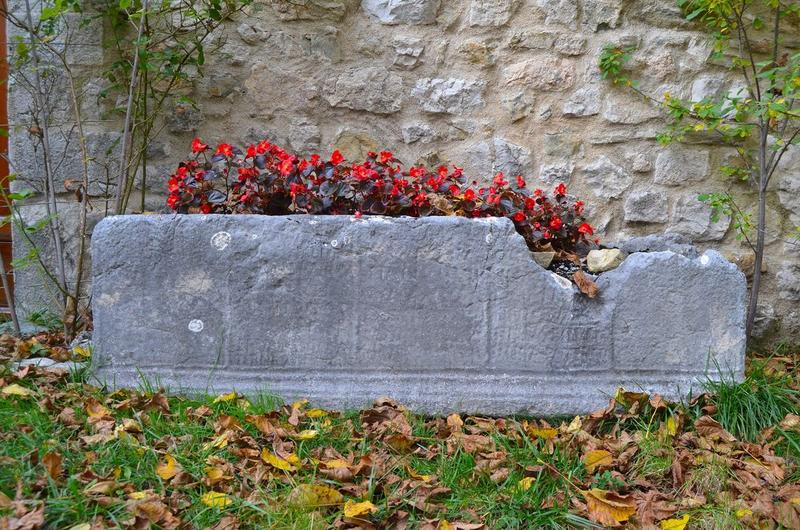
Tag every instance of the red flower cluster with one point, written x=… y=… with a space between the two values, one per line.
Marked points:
x=265 y=179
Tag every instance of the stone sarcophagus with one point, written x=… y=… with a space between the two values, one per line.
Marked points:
x=442 y=313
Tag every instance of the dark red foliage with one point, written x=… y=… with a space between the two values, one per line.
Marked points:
x=265 y=179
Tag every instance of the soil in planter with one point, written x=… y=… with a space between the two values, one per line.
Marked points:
x=566 y=268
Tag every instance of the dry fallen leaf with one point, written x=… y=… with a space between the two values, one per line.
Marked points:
x=94 y=409
x=585 y=284
x=313 y=496
x=675 y=524
x=16 y=390
x=276 y=461
x=597 y=458
x=52 y=463
x=230 y=396
x=525 y=484
x=168 y=468
x=546 y=433
x=359 y=509
x=609 y=508
x=216 y=499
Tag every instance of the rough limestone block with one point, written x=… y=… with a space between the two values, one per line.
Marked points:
x=443 y=314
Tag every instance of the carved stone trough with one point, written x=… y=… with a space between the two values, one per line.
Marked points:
x=442 y=313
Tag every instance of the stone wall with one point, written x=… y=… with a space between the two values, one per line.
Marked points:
x=490 y=85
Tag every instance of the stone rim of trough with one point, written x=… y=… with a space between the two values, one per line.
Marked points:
x=631 y=260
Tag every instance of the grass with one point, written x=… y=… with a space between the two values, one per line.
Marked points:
x=511 y=477
x=762 y=400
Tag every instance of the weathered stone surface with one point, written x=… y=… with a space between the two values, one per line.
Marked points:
x=450 y=96
x=518 y=104
x=418 y=132
x=542 y=73
x=707 y=86
x=311 y=9
x=584 y=102
x=511 y=159
x=678 y=164
x=373 y=89
x=433 y=312
x=646 y=206
x=601 y=14
x=788 y=176
x=692 y=218
x=789 y=281
x=478 y=52
x=676 y=243
x=407 y=52
x=28 y=162
x=605 y=259
x=413 y=12
x=553 y=173
x=490 y=12
x=624 y=109
x=570 y=44
x=607 y=179
x=560 y=12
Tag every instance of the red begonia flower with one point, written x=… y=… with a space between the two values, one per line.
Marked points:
x=556 y=223
x=469 y=194
x=336 y=158
x=198 y=146
x=561 y=189
x=586 y=228
x=519 y=217
x=225 y=149
x=386 y=156
x=205 y=207
x=172 y=201
x=520 y=181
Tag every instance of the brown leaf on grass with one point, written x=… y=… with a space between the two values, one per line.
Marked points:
x=469 y=443
x=52 y=463
x=24 y=520
x=609 y=508
x=227 y=523
x=653 y=506
x=94 y=409
x=585 y=284
x=455 y=423
x=708 y=427
x=791 y=422
x=104 y=487
x=268 y=426
x=151 y=510
x=67 y=417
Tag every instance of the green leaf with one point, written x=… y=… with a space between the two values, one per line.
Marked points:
x=694 y=14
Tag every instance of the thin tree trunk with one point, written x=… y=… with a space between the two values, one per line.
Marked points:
x=761 y=227
x=122 y=180
x=12 y=306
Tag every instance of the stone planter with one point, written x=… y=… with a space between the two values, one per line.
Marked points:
x=442 y=313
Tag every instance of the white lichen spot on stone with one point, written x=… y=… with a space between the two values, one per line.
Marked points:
x=221 y=240
x=488 y=239
x=196 y=325
x=705 y=260
x=312 y=223
x=106 y=299
x=335 y=243
x=560 y=280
